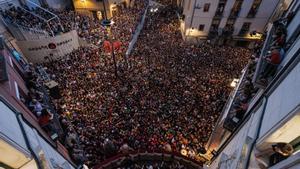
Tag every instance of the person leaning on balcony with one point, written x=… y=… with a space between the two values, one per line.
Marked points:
x=282 y=152
x=272 y=60
x=279 y=39
x=273 y=154
x=45 y=119
x=279 y=36
x=35 y=106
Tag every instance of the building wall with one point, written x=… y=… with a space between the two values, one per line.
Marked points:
x=282 y=101
x=59 y=4
x=10 y=132
x=279 y=110
x=9 y=91
x=87 y=6
x=228 y=158
x=258 y=23
x=263 y=14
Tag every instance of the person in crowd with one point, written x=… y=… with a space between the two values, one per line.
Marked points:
x=35 y=106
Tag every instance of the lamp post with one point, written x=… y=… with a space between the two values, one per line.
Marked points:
x=104 y=8
x=107 y=24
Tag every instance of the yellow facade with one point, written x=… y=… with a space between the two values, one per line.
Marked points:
x=93 y=7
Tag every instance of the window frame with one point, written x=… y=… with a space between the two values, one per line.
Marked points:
x=202 y=26
x=206 y=7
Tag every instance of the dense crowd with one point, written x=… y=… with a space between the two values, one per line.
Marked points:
x=166 y=2
x=38 y=102
x=33 y=18
x=88 y=28
x=152 y=164
x=91 y=30
x=167 y=99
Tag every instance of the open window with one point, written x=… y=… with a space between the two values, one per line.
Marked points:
x=280 y=144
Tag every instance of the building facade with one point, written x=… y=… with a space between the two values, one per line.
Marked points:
x=99 y=8
x=263 y=131
x=225 y=20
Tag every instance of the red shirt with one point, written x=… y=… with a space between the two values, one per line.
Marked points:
x=275 y=58
x=44 y=120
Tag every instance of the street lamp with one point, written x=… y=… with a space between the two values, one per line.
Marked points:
x=107 y=24
x=104 y=8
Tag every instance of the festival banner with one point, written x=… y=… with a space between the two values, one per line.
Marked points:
x=44 y=50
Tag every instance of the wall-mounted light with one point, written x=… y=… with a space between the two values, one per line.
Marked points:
x=234 y=83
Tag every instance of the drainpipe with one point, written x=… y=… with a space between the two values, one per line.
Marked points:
x=192 y=19
x=257 y=133
x=35 y=156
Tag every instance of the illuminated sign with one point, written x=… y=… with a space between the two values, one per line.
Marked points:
x=50 y=45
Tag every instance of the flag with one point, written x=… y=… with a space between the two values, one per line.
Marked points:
x=107 y=46
x=117 y=46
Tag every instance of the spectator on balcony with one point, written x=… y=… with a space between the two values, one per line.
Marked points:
x=279 y=40
x=71 y=139
x=282 y=152
x=272 y=61
x=78 y=155
x=240 y=108
x=35 y=106
x=45 y=119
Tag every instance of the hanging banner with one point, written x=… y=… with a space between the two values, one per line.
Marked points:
x=45 y=50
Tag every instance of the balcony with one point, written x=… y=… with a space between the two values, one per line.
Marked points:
x=240 y=102
x=235 y=110
x=278 y=51
x=228 y=31
x=279 y=118
x=212 y=33
x=220 y=9
x=234 y=13
x=24 y=145
x=219 y=13
x=252 y=13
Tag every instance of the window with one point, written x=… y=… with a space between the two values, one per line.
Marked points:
x=201 y=27
x=3 y=73
x=245 y=28
x=220 y=9
x=236 y=9
x=19 y=71
x=253 y=10
x=230 y=21
x=216 y=21
x=215 y=24
x=206 y=7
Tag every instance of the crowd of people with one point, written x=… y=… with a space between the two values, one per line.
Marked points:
x=89 y=28
x=168 y=98
x=152 y=164
x=276 y=54
x=38 y=103
x=33 y=18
